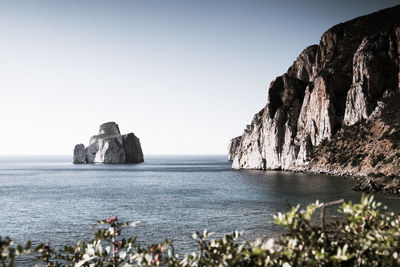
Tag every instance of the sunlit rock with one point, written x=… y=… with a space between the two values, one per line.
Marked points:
x=110 y=147
x=344 y=80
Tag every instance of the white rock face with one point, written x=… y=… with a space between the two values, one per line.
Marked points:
x=316 y=121
x=111 y=150
x=374 y=72
x=110 y=147
x=268 y=142
x=339 y=82
x=356 y=105
x=250 y=153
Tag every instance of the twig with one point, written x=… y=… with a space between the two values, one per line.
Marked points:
x=113 y=247
x=323 y=214
x=201 y=250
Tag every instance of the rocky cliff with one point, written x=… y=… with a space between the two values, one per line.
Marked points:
x=344 y=81
x=109 y=146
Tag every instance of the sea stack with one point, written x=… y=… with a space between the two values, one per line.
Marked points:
x=109 y=147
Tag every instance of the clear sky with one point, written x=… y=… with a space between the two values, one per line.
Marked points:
x=185 y=76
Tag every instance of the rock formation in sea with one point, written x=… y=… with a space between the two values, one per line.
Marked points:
x=335 y=96
x=109 y=146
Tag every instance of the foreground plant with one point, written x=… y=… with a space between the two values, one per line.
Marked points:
x=8 y=251
x=363 y=236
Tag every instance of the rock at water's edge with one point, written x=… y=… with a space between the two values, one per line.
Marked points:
x=329 y=92
x=133 y=149
x=79 y=154
x=233 y=146
x=110 y=147
x=110 y=151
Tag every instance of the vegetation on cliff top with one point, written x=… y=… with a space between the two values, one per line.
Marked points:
x=367 y=148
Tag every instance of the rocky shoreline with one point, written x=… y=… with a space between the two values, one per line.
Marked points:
x=336 y=110
x=388 y=185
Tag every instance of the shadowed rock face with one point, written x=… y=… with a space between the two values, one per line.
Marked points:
x=79 y=154
x=109 y=146
x=133 y=150
x=234 y=144
x=344 y=80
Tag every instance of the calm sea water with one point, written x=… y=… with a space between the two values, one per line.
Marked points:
x=49 y=199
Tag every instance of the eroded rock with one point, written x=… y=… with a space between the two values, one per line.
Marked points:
x=344 y=80
x=110 y=147
x=233 y=146
x=366 y=185
x=79 y=154
x=133 y=149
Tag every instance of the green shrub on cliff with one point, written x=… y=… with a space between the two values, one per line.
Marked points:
x=364 y=236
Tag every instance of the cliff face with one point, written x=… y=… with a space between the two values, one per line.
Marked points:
x=109 y=146
x=343 y=81
x=369 y=148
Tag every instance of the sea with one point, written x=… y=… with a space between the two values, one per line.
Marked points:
x=47 y=199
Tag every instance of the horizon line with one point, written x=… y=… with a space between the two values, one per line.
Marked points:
x=155 y=154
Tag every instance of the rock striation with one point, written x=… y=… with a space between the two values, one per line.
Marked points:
x=233 y=146
x=110 y=147
x=345 y=80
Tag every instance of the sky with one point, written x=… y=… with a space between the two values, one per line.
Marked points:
x=185 y=76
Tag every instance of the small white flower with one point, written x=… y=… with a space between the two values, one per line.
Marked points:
x=90 y=250
x=269 y=244
x=111 y=230
x=133 y=224
x=122 y=255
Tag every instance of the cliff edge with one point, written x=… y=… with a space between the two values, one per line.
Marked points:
x=330 y=112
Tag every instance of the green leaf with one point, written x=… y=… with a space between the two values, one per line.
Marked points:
x=19 y=250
